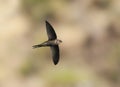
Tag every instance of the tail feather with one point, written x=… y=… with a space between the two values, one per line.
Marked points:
x=36 y=46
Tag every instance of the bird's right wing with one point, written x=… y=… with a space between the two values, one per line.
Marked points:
x=55 y=53
x=50 y=31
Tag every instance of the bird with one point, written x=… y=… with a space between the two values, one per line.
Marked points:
x=52 y=42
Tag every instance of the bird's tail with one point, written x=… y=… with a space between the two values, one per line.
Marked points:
x=36 y=46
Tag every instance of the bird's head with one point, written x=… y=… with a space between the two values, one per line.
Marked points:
x=58 y=41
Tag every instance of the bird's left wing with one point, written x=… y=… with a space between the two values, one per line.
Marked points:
x=55 y=53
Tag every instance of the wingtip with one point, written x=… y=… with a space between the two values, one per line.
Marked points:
x=55 y=62
x=46 y=21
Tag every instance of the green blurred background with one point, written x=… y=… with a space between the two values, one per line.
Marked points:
x=90 y=52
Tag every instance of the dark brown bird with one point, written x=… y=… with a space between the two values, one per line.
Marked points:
x=52 y=42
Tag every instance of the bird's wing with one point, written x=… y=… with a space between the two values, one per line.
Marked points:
x=50 y=31
x=55 y=53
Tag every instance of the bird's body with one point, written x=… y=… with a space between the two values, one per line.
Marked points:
x=52 y=42
x=48 y=43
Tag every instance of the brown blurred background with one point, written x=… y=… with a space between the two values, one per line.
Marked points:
x=90 y=52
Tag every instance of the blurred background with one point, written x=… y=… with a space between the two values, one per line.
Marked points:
x=89 y=54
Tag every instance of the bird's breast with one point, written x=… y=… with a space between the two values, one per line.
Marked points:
x=53 y=42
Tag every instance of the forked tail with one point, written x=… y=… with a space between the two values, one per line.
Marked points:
x=44 y=44
x=36 y=46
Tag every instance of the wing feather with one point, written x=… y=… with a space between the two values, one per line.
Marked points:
x=55 y=53
x=50 y=31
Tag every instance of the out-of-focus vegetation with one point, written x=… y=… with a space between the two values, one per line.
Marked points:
x=89 y=54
